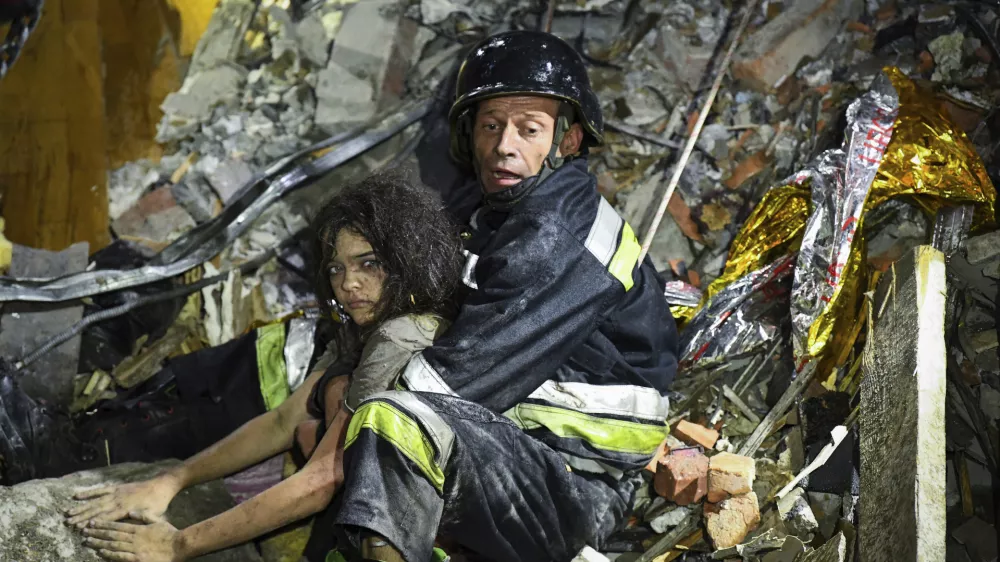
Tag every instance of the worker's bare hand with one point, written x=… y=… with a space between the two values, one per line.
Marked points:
x=154 y=540
x=112 y=503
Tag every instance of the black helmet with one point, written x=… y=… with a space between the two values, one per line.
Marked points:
x=518 y=63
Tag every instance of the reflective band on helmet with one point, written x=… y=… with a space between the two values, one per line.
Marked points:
x=405 y=434
x=612 y=435
x=613 y=243
x=270 y=347
x=623 y=264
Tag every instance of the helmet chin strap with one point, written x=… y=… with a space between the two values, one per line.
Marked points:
x=553 y=161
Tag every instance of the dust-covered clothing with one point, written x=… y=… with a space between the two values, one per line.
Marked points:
x=420 y=465
x=565 y=331
x=383 y=357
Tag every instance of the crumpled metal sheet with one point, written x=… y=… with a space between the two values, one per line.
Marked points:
x=683 y=299
x=300 y=343
x=773 y=229
x=898 y=144
x=828 y=270
x=208 y=239
x=741 y=319
x=930 y=160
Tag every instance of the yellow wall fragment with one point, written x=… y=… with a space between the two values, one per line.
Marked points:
x=194 y=16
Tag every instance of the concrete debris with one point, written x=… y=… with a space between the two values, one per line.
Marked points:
x=271 y=78
x=372 y=53
x=797 y=515
x=186 y=110
x=803 y=29
x=730 y=475
x=32 y=514
x=24 y=327
x=729 y=521
x=669 y=520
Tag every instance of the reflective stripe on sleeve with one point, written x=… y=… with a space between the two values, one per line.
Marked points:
x=427 y=442
x=271 y=373
x=613 y=243
x=421 y=377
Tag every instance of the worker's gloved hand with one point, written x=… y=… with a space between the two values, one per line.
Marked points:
x=153 y=540
x=112 y=503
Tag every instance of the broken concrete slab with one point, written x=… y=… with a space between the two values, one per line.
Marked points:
x=834 y=550
x=903 y=415
x=32 y=520
x=982 y=249
x=804 y=29
x=367 y=68
x=185 y=110
x=25 y=327
x=798 y=516
x=222 y=38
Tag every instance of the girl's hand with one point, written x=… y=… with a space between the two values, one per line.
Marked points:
x=155 y=540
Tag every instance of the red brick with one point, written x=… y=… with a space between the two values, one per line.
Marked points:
x=682 y=479
x=729 y=521
x=729 y=475
x=694 y=434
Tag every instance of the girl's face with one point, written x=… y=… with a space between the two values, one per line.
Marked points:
x=356 y=276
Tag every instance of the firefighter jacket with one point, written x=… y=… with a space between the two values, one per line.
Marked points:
x=562 y=331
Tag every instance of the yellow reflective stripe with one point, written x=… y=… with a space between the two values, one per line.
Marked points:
x=404 y=433
x=271 y=364
x=623 y=263
x=613 y=435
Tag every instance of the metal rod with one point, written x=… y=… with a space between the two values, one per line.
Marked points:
x=693 y=138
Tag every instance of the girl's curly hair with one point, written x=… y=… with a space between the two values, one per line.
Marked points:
x=416 y=242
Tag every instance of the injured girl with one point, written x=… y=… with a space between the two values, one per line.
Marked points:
x=390 y=263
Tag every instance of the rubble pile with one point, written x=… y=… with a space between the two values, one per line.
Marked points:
x=846 y=135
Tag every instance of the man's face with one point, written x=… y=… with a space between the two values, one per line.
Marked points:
x=512 y=136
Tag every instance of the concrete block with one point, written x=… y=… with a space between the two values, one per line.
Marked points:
x=32 y=520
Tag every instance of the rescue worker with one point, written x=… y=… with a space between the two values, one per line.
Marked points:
x=521 y=431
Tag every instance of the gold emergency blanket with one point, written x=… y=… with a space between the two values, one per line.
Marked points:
x=898 y=143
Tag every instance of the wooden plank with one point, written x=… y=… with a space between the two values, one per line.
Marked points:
x=902 y=415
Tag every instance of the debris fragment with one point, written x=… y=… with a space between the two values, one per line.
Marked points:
x=694 y=434
x=682 y=479
x=730 y=474
x=729 y=521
